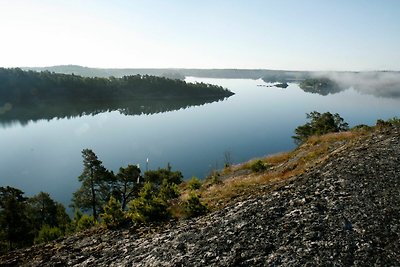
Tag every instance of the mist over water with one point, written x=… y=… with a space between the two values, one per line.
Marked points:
x=380 y=84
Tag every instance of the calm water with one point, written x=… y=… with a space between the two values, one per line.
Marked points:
x=256 y=121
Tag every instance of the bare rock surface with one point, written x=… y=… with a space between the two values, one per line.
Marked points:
x=344 y=212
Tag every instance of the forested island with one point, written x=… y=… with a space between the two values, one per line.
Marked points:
x=30 y=95
x=322 y=86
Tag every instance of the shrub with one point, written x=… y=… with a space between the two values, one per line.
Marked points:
x=85 y=222
x=48 y=233
x=258 y=166
x=193 y=206
x=168 y=191
x=148 y=207
x=194 y=183
x=113 y=215
x=157 y=177
x=383 y=124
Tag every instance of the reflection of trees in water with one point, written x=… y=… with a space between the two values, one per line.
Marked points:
x=47 y=110
x=29 y=95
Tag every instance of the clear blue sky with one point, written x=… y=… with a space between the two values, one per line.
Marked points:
x=281 y=34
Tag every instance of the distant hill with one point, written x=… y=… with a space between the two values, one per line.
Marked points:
x=267 y=75
x=176 y=72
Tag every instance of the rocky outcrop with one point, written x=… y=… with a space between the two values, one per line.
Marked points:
x=344 y=212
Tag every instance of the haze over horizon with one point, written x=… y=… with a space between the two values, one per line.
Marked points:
x=287 y=35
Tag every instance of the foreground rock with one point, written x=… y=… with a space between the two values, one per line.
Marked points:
x=345 y=212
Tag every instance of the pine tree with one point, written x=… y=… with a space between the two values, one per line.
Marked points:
x=14 y=223
x=127 y=184
x=96 y=184
x=113 y=215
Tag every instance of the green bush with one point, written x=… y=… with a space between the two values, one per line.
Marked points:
x=148 y=207
x=168 y=191
x=48 y=233
x=193 y=206
x=113 y=215
x=85 y=222
x=258 y=166
x=159 y=176
x=194 y=183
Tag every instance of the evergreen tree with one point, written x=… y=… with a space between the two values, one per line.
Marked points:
x=157 y=177
x=193 y=207
x=42 y=210
x=14 y=223
x=127 y=184
x=96 y=184
x=113 y=215
x=320 y=124
x=148 y=207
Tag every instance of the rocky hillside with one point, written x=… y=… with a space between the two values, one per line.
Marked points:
x=344 y=211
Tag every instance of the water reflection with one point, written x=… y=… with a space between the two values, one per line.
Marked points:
x=41 y=110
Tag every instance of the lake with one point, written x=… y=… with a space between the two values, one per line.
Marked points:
x=45 y=155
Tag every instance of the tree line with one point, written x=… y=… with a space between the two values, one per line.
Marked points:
x=18 y=86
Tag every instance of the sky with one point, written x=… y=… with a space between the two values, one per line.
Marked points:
x=283 y=34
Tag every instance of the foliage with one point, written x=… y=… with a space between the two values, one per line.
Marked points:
x=15 y=228
x=23 y=220
x=390 y=122
x=193 y=207
x=96 y=184
x=157 y=177
x=194 y=183
x=127 y=184
x=382 y=124
x=258 y=166
x=394 y=121
x=85 y=222
x=48 y=233
x=18 y=86
x=148 y=207
x=43 y=210
x=168 y=191
x=63 y=219
x=322 y=86
x=320 y=124
x=113 y=215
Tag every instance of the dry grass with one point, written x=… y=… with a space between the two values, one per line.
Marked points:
x=279 y=158
x=282 y=166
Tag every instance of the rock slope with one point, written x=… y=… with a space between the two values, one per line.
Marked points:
x=344 y=212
